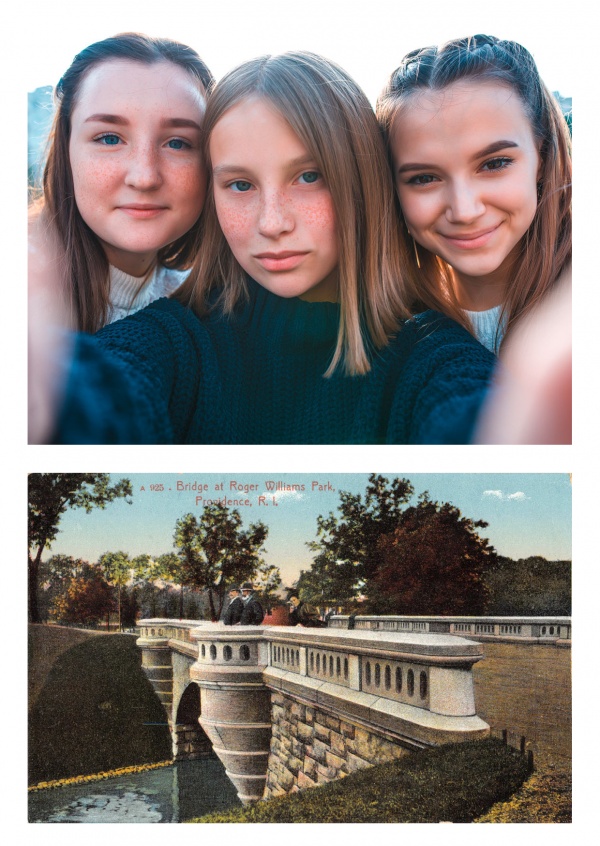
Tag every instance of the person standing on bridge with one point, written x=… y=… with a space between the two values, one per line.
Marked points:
x=252 y=613
x=302 y=614
x=233 y=612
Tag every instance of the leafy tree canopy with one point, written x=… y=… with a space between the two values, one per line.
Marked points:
x=215 y=551
x=50 y=494
x=411 y=559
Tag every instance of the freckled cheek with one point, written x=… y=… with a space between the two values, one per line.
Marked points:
x=320 y=218
x=93 y=182
x=189 y=187
x=236 y=223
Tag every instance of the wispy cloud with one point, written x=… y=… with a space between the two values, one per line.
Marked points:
x=291 y=494
x=517 y=496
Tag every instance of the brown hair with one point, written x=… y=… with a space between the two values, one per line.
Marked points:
x=546 y=246
x=334 y=120
x=87 y=277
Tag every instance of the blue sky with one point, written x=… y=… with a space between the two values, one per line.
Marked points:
x=528 y=514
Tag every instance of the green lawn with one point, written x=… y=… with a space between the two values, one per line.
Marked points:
x=452 y=783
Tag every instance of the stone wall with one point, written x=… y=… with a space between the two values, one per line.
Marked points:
x=311 y=747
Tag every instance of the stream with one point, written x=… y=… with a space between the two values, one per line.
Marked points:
x=170 y=794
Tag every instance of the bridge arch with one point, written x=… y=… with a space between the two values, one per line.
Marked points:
x=189 y=738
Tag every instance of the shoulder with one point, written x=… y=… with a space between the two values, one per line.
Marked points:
x=164 y=315
x=433 y=335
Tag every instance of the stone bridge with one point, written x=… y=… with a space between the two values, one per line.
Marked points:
x=286 y=708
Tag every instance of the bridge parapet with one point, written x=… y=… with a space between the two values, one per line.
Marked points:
x=555 y=630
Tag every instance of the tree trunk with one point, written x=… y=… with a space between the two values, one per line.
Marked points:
x=33 y=578
x=181 y=603
x=213 y=614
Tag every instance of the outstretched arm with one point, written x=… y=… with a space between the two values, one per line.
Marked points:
x=136 y=381
x=531 y=400
x=49 y=342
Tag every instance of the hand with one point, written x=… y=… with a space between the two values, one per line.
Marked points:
x=531 y=402
x=48 y=341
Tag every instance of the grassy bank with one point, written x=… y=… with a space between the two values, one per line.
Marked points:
x=94 y=710
x=452 y=783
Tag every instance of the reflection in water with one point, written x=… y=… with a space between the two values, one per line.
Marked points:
x=167 y=795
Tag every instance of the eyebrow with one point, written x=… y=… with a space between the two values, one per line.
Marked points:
x=119 y=120
x=291 y=165
x=495 y=147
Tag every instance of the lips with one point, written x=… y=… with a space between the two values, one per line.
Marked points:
x=471 y=240
x=284 y=260
x=142 y=211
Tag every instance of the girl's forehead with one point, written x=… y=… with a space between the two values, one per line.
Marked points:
x=126 y=81
x=474 y=94
x=466 y=109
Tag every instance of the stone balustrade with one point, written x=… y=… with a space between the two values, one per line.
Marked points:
x=555 y=630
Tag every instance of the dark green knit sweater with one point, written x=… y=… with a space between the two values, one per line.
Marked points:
x=163 y=375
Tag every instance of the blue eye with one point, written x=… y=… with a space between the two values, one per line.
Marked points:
x=178 y=144
x=241 y=186
x=109 y=139
x=310 y=177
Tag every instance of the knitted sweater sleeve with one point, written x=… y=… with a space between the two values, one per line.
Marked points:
x=444 y=384
x=134 y=382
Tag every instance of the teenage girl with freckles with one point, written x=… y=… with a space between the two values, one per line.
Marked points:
x=125 y=181
x=480 y=153
x=291 y=326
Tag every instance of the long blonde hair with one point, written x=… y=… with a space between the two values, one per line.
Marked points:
x=546 y=246
x=334 y=120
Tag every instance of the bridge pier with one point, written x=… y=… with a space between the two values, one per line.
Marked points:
x=236 y=704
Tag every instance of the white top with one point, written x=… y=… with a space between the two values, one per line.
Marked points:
x=485 y=327
x=127 y=297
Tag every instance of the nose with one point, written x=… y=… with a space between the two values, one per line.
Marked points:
x=144 y=172
x=275 y=216
x=464 y=203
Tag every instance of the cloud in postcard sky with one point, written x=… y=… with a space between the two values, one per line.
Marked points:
x=290 y=504
x=368 y=45
x=518 y=496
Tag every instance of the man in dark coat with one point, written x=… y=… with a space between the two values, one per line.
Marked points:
x=302 y=614
x=252 y=613
x=233 y=612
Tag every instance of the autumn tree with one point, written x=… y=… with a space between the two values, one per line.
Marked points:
x=215 y=551
x=55 y=575
x=86 y=599
x=50 y=494
x=432 y=563
x=413 y=559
